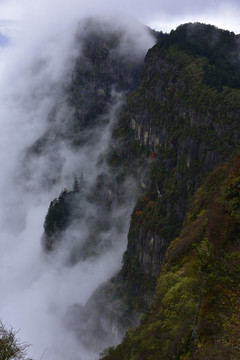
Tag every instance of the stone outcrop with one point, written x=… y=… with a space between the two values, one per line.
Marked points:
x=190 y=127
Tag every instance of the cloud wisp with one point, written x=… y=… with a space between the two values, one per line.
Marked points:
x=162 y=15
x=38 y=289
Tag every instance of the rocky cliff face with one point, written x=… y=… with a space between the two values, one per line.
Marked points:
x=188 y=126
x=105 y=69
x=186 y=119
x=180 y=121
x=195 y=313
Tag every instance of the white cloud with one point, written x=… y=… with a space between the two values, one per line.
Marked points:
x=162 y=15
x=223 y=16
x=10 y=9
x=37 y=292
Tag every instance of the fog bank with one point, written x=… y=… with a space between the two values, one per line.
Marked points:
x=36 y=68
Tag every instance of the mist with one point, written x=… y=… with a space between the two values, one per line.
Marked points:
x=38 y=160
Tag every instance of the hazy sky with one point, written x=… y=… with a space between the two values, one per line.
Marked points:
x=159 y=14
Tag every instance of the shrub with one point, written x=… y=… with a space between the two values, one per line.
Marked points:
x=11 y=347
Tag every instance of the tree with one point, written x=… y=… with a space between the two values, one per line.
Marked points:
x=75 y=185
x=11 y=348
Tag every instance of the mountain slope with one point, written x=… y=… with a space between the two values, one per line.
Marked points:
x=177 y=125
x=187 y=126
x=195 y=312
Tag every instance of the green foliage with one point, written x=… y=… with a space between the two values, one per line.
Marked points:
x=168 y=330
x=204 y=252
x=58 y=214
x=195 y=313
x=174 y=79
x=11 y=348
x=190 y=91
x=212 y=43
x=231 y=196
x=137 y=285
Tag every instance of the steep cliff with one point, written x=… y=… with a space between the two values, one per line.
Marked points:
x=176 y=126
x=195 y=312
x=188 y=120
x=105 y=69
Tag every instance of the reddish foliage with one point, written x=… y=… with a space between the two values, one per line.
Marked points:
x=146 y=198
x=153 y=156
x=150 y=204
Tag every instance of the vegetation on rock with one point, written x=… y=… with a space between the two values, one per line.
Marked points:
x=195 y=312
x=190 y=124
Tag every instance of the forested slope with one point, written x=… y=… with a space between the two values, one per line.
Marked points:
x=185 y=124
x=195 y=311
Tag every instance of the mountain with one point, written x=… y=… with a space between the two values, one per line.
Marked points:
x=185 y=113
x=195 y=311
x=180 y=120
x=187 y=126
